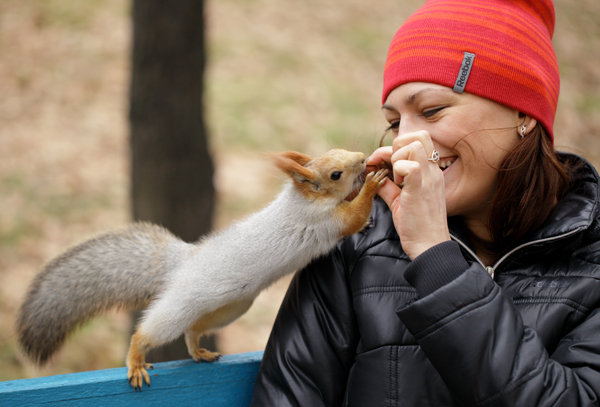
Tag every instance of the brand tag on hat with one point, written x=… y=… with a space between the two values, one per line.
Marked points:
x=463 y=74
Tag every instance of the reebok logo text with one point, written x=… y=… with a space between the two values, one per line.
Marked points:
x=463 y=74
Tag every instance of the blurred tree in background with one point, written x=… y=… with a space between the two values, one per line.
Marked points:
x=171 y=168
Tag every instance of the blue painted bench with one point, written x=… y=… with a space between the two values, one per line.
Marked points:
x=226 y=383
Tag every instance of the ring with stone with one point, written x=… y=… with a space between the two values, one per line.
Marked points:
x=435 y=156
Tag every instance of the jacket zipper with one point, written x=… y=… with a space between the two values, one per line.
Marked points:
x=492 y=269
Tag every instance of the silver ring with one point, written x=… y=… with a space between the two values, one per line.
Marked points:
x=435 y=156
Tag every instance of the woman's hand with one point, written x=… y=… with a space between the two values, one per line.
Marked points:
x=419 y=207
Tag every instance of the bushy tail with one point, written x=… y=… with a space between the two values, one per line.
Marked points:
x=123 y=269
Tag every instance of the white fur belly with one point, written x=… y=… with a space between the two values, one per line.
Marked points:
x=237 y=264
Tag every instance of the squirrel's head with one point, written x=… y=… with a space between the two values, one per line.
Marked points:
x=334 y=174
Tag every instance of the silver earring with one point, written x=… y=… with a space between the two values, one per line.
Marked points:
x=522 y=130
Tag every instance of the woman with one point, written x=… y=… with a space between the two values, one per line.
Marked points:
x=478 y=281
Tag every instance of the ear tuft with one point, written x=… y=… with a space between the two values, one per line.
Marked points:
x=292 y=163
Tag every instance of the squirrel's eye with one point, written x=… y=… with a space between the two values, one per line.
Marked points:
x=336 y=175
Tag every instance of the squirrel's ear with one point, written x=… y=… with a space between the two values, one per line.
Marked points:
x=292 y=163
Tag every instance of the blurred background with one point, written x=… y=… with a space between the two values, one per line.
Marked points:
x=279 y=75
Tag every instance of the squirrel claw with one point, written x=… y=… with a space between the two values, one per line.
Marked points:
x=375 y=180
x=136 y=376
x=205 y=355
x=380 y=176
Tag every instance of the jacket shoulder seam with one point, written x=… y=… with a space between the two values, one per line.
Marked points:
x=364 y=250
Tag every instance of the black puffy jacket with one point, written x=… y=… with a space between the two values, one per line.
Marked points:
x=352 y=331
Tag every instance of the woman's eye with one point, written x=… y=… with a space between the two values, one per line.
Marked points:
x=433 y=112
x=393 y=126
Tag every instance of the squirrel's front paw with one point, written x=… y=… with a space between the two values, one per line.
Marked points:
x=207 y=356
x=375 y=179
x=137 y=375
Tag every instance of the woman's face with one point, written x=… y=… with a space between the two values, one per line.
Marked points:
x=471 y=134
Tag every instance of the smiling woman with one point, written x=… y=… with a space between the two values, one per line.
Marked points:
x=467 y=130
x=478 y=281
x=488 y=177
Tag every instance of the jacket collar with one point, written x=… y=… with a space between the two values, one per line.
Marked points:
x=578 y=208
x=565 y=227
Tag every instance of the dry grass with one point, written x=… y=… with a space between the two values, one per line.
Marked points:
x=282 y=75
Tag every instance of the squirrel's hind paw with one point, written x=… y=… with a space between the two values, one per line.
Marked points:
x=137 y=375
x=205 y=355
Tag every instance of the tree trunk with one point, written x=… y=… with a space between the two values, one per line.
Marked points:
x=171 y=168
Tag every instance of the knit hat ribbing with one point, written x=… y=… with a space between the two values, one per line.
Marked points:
x=514 y=64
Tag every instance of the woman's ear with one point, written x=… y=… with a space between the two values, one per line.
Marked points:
x=527 y=121
x=530 y=124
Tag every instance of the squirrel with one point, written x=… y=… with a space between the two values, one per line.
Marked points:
x=194 y=288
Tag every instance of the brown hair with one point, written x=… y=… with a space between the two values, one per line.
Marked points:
x=531 y=180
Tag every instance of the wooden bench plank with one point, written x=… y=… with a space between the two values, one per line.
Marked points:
x=226 y=383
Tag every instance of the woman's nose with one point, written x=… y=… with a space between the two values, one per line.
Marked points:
x=408 y=125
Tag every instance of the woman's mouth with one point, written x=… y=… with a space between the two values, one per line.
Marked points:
x=446 y=162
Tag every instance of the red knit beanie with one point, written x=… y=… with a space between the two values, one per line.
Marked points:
x=497 y=49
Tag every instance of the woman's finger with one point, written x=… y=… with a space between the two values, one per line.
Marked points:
x=416 y=146
x=407 y=172
x=379 y=156
x=421 y=136
x=390 y=193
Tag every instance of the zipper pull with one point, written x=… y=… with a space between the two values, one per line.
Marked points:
x=490 y=271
